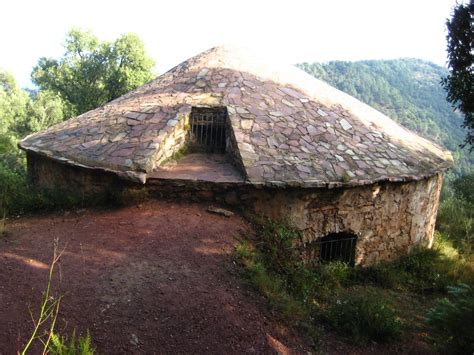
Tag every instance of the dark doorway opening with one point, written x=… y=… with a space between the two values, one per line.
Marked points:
x=208 y=129
x=334 y=247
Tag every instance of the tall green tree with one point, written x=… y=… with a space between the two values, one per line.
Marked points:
x=92 y=73
x=13 y=104
x=460 y=82
x=20 y=115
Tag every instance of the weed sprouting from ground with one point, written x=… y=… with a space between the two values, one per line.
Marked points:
x=75 y=346
x=45 y=323
x=49 y=308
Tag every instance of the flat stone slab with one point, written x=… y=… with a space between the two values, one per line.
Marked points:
x=199 y=167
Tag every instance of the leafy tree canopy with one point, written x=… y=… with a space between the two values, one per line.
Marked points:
x=460 y=82
x=22 y=114
x=13 y=102
x=92 y=73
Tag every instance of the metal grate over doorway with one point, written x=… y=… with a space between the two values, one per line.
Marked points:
x=333 y=247
x=208 y=129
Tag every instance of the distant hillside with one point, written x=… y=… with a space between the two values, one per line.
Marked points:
x=407 y=90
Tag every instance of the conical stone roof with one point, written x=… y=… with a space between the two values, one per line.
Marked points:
x=288 y=127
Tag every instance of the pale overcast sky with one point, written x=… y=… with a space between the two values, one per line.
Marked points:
x=292 y=31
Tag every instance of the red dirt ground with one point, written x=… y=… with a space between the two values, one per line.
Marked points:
x=152 y=279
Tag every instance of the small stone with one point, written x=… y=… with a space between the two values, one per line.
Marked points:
x=132 y=115
x=272 y=142
x=321 y=112
x=338 y=157
x=246 y=147
x=220 y=211
x=134 y=341
x=119 y=137
x=287 y=103
x=200 y=83
x=241 y=110
x=246 y=124
x=125 y=152
x=276 y=113
x=202 y=73
x=345 y=125
x=89 y=144
x=133 y=122
x=303 y=168
x=312 y=130
x=249 y=84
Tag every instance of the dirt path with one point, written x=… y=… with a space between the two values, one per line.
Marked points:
x=154 y=279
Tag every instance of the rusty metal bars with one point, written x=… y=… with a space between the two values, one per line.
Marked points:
x=341 y=249
x=208 y=130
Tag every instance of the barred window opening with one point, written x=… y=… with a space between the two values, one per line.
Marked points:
x=208 y=129
x=334 y=247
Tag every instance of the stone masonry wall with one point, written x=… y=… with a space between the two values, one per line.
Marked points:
x=388 y=218
x=176 y=139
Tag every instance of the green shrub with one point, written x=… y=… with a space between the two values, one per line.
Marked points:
x=304 y=284
x=423 y=270
x=273 y=288
x=18 y=196
x=452 y=321
x=456 y=213
x=60 y=346
x=335 y=274
x=464 y=186
x=364 y=317
x=277 y=246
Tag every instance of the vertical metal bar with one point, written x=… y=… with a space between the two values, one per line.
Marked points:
x=223 y=130
x=209 y=131
x=352 y=251
x=211 y=126
x=204 y=130
x=339 y=249
x=211 y=142
x=201 y=128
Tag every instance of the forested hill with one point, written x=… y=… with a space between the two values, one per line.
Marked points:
x=407 y=90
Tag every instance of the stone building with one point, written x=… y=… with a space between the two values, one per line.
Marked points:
x=268 y=138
